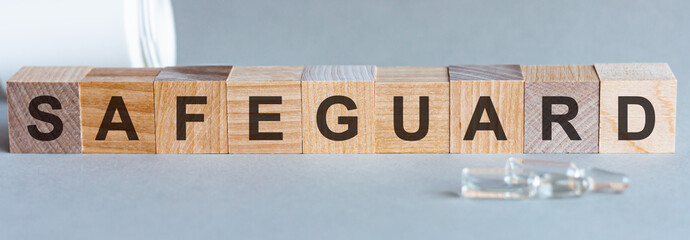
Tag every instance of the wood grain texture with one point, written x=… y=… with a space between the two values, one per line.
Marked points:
x=265 y=73
x=194 y=73
x=579 y=82
x=411 y=83
x=61 y=83
x=355 y=82
x=485 y=72
x=265 y=81
x=653 y=81
x=209 y=136
x=507 y=97
x=339 y=73
x=135 y=87
x=412 y=74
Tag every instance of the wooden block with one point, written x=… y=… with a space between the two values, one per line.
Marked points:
x=117 y=110
x=561 y=109
x=416 y=131
x=43 y=106
x=338 y=109
x=646 y=94
x=190 y=105
x=490 y=100
x=275 y=123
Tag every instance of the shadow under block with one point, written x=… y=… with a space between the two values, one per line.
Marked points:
x=265 y=109
x=481 y=89
x=418 y=86
x=345 y=96
x=43 y=109
x=569 y=96
x=190 y=106
x=643 y=86
x=117 y=110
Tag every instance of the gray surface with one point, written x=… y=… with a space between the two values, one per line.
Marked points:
x=366 y=196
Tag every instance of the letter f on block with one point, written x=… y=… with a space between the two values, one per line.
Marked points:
x=183 y=117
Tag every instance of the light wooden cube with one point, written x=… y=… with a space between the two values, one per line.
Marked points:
x=43 y=109
x=410 y=130
x=344 y=95
x=117 y=110
x=638 y=84
x=275 y=123
x=190 y=105
x=480 y=89
x=561 y=109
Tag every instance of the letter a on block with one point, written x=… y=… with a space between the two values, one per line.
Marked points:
x=486 y=108
x=638 y=108
x=338 y=109
x=117 y=110
x=43 y=107
x=191 y=109
x=412 y=110
x=264 y=109
x=561 y=109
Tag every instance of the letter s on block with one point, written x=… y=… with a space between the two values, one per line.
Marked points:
x=46 y=117
x=350 y=121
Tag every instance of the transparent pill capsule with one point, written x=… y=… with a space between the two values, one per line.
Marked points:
x=496 y=183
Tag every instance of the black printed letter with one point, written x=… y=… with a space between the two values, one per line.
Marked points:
x=107 y=124
x=183 y=117
x=350 y=121
x=255 y=117
x=46 y=117
x=423 y=119
x=623 y=102
x=494 y=124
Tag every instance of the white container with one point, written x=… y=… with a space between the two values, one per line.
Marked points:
x=109 y=33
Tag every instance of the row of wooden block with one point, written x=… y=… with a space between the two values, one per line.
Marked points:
x=607 y=108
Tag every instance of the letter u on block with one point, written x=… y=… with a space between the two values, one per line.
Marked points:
x=412 y=110
x=338 y=109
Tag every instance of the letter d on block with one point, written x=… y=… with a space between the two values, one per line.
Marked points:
x=43 y=109
x=638 y=108
x=338 y=109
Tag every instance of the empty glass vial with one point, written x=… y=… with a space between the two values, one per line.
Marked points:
x=496 y=183
x=595 y=179
x=493 y=183
x=543 y=166
x=600 y=180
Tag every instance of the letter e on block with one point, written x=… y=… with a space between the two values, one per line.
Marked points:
x=412 y=110
x=338 y=109
x=486 y=108
x=264 y=109
x=117 y=110
x=638 y=108
x=190 y=106
x=43 y=109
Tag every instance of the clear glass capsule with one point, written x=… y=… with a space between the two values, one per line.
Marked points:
x=497 y=183
x=597 y=179
x=528 y=179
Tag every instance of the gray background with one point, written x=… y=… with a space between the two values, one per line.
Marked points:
x=366 y=196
